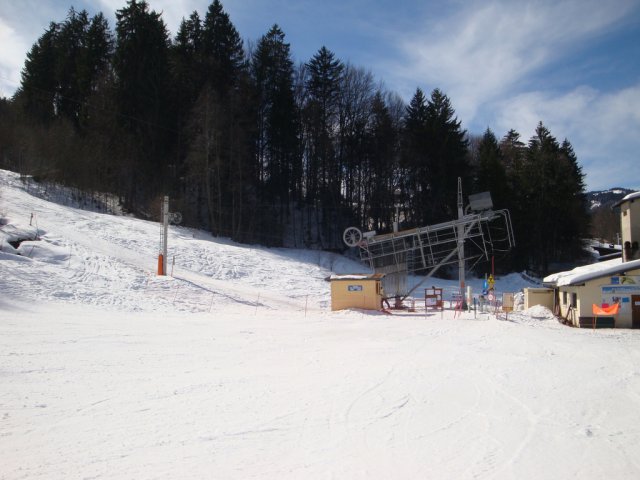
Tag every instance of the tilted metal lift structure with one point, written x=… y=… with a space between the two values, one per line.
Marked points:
x=474 y=237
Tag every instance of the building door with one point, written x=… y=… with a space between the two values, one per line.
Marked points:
x=635 y=311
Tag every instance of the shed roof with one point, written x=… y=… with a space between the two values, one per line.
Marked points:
x=357 y=276
x=631 y=196
x=590 y=272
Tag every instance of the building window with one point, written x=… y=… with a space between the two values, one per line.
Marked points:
x=564 y=298
x=574 y=300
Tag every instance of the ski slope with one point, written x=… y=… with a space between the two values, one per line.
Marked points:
x=235 y=368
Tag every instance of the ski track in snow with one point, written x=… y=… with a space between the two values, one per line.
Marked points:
x=234 y=367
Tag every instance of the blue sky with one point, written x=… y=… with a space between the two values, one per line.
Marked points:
x=574 y=65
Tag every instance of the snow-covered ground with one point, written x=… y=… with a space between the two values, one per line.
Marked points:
x=235 y=368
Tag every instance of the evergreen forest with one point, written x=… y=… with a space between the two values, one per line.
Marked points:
x=251 y=145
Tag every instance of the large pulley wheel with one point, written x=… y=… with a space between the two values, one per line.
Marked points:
x=352 y=236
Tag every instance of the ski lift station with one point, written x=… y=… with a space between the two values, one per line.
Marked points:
x=582 y=295
x=474 y=236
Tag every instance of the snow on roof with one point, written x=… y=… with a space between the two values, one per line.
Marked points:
x=631 y=196
x=590 y=272
x=356 y=276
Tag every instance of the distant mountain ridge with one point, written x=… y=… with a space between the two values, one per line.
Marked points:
x=599 y=199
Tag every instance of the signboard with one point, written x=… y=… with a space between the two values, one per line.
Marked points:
x=354 y=288
x=625 y=280
x=433 y=298
x=620 y=291
x=507 y=302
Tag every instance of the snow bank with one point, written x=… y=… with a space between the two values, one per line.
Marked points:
x=539 y=312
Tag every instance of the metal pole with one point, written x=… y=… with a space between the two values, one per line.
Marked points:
x=165 y=230
x=396 y=221
x=461 y=243
x=442 y=262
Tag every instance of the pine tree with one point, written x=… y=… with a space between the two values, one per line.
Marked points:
x=552 y=201
x=576 y=226
x=491 y=172
x=382 y=165
x=447 y=157
x=96 y=58
x=277 y=152
x=415 y=175
x=222 y=49
x=218 y=156
x=434 y=156
x=513 y=151
x=142 y=86
x=83 y=50
x=321 y=113
x=323 y=89
x=187 y=64
x=69 y=45
x=37 y=90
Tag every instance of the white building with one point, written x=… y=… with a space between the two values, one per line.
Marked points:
x=605 y=283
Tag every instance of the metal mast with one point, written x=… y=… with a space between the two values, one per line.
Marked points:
x=461 y=241
x=162 y=267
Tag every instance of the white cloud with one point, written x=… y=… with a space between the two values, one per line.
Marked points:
x=21 y=24
x=486 y=49
x=12 y=55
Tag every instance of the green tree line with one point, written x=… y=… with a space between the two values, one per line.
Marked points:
x=252 y=146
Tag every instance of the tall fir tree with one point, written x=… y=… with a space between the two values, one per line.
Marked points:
x=323 y=89
x=491 y=175
x=84 y=47
x=37 y=90
x=224 y=56
x=576 y=226
x=553 y=203
x=415 y=171
x=69 y=45
x=382 y=166
x=277 y=152
x=187 y=64
x=95 y=61
x=142 y=86
x=447 y=157
x=323 y=175
x=218 y=156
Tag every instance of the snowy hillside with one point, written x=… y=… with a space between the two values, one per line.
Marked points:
x=235 y=367
x=605 y=199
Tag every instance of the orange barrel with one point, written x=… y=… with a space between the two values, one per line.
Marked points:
x=160 y=265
